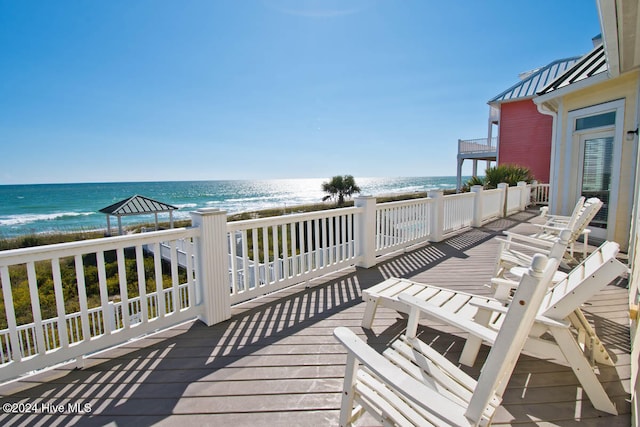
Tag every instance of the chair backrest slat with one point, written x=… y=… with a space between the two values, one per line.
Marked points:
x=582 y=283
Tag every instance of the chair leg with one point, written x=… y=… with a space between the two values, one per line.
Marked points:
x=597 y=350
x=583 y=370
x=472 y=346
x=369 y=312
x=346 y=407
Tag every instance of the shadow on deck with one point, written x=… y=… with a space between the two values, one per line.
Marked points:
x=275 y=362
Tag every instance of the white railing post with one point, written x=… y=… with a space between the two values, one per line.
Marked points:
x=476 y=221
x=212 y=253
x=437 y=215
x=523 y=195
x=366 y=231
x=504 y=187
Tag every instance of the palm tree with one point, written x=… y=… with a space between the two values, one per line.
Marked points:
x=340 y=187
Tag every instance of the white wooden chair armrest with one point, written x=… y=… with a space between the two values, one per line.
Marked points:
x=452 y=319
x=502 y=288
x=550 y=227
x=418 y=393
x=515 y=238
x=499 y=282
x=539 y=318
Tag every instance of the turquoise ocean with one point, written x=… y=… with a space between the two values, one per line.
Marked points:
x=54 y=208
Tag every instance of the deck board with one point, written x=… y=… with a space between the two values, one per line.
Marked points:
x=276 y=363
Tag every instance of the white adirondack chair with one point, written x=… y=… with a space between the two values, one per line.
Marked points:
x=517 y=250
x=412 y=384
x=560 y=219
x=561 y=308
x=578 y=222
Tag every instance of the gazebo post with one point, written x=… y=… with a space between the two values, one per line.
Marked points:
x=156 y=215
x=119 y=225
x=108 y=225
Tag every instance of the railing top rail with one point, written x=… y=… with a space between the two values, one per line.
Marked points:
x=493 y=190
x=479 y=141
x=459 y=196
x=60 y=250
x=387 y=205
x=285 y=219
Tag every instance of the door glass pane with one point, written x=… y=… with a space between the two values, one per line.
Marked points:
x=596 y=174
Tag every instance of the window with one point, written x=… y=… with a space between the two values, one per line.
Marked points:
x=596 y=121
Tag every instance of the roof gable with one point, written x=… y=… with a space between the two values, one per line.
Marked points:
x=535 y=81
x=591 y=64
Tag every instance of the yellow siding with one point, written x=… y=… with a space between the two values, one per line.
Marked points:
x=624 y=87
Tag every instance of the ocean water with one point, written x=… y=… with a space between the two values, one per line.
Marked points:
x=47 y=208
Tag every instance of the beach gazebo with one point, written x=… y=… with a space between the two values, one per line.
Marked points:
x=136 y=205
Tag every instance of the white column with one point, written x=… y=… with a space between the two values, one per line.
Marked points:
x=366 y=231
x=459 y=173
x=437 y=215
x=503 y=198
x=212 y=254
x=477 y=206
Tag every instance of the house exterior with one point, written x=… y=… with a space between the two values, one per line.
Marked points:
x=517 y=132
x=592 y=152
x=524 y=134
x=595 y=109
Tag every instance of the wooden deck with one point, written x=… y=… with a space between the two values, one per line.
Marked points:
x=276 y=363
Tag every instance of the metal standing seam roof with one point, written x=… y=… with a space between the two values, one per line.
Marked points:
x=137 y=205
x=536 y=81
x=594 y=62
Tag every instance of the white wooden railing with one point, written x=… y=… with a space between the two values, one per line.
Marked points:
x=272 y=253
x=114 y=318
x=540 y=194
x=493 y=204
x=516 y=197
x=401 y=224
x=458 y=212
x=221 y=263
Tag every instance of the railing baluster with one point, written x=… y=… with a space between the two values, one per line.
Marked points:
x=175 y=278
x=16 y=354
x=35 y=307
x=142 y=284
x=256 y=258
x=244 y=285
x=107 y=310
x=285 y=251
x=276 y=253
x=63 y=335
x=160 y=302
x=233 y=262
x=124 y=294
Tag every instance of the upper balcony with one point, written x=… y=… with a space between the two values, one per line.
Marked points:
x=481 y=149
x=273 y=360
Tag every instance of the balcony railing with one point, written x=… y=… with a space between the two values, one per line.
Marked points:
x=149 y=281
x=477 y=146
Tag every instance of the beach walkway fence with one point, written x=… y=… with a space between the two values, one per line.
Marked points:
x=62 y=302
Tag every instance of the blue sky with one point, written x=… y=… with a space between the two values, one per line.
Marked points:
x=153 y=90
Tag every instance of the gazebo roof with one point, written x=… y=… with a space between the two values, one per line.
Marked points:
x=137 y=205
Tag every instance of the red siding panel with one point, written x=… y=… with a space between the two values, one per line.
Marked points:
x=525 y=138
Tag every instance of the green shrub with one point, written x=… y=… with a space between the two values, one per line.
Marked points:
x=506 y=173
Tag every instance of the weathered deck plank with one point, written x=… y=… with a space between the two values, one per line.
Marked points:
x=276 y=362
